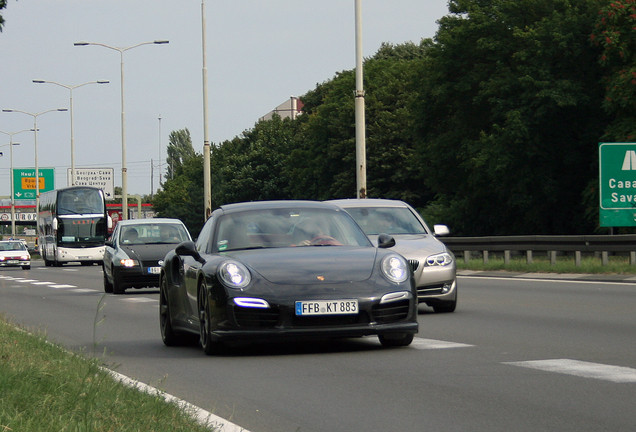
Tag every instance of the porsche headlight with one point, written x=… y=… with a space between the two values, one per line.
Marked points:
x=234 y=274
x=128 y=262
x=442 y=259
x=395 y=268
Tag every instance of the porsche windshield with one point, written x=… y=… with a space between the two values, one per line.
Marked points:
x=288 y=228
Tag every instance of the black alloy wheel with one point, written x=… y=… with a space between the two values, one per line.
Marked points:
x=168 y=334
x=209 y=346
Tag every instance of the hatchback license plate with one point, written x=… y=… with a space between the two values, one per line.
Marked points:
x=154 y=270
x=327 y=307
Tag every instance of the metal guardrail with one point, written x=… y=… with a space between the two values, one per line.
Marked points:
x=605 y=244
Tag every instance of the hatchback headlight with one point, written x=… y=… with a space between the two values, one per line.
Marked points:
x=442 y=259
x=395 y=268
x=234 y=274
x=128 y=262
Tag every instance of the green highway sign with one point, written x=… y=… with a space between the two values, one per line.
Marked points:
x=617 y=184
x=24 y=182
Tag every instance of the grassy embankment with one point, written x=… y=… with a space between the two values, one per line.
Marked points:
x=45 y=388
x=541 y=264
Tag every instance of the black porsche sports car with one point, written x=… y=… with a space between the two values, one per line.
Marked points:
x=285 y=269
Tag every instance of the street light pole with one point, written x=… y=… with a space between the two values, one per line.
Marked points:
x=11 y=144
x=71 y=88
x=37 y=168
x=361 y=164
x=124 y=170
x=207 y=177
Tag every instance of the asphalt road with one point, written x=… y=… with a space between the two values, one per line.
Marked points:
x=517 y=355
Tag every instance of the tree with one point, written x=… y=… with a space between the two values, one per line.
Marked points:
x=250 y=167
x=322 y=164
x=182 y=194
x=614 y=34
x=3 y=4
x=509 y=116
x=179 y=151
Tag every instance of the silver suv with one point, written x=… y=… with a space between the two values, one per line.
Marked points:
x=432 y=262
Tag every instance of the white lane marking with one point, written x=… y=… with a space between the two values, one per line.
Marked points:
x=27 y=280
x=83 y=290
x=62 y=286
x=421 y=343
x=140 y=300
x=43 y=283
x=11 y=278
x=618 y=374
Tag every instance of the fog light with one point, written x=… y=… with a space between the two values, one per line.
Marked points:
x=446 y=288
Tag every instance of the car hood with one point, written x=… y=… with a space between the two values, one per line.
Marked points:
x=13 y=253
x=150 y=252
x=414 y=246
x=303 y=265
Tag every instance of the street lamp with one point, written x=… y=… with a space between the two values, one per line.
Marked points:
x=37 y=168
x=71 y=109
x=11 y=144
x=124 y=171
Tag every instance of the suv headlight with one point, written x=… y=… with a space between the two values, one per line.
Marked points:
x=234 y=274
x=395 y=268
x=442 y=259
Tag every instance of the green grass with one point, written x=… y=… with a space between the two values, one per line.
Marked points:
x=45 y=388
x=541 y=264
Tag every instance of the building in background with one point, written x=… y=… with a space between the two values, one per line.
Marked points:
x=288 y=109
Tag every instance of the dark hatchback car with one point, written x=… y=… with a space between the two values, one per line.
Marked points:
x=135 y=251
x=285 y=269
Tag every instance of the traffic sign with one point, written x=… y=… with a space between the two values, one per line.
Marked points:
x=617 y=180
x=103 y=178
x=24 y=186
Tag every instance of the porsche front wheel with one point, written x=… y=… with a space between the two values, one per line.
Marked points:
x=209 y=346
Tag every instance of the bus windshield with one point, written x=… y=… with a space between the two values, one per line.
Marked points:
x=75 y=232
x=80 y=201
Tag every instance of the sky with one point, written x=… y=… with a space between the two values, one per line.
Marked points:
x=259 y=53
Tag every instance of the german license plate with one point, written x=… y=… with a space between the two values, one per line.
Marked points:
x=327 y=307
x=154 y=270
x=13 y=261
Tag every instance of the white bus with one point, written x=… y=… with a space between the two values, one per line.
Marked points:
x=72 y=226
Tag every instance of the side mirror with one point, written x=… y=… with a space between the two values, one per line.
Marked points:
x=441 y=230
x=188 y=248
x=385 y=241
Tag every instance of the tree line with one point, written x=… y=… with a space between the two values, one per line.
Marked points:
x=491 y=127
